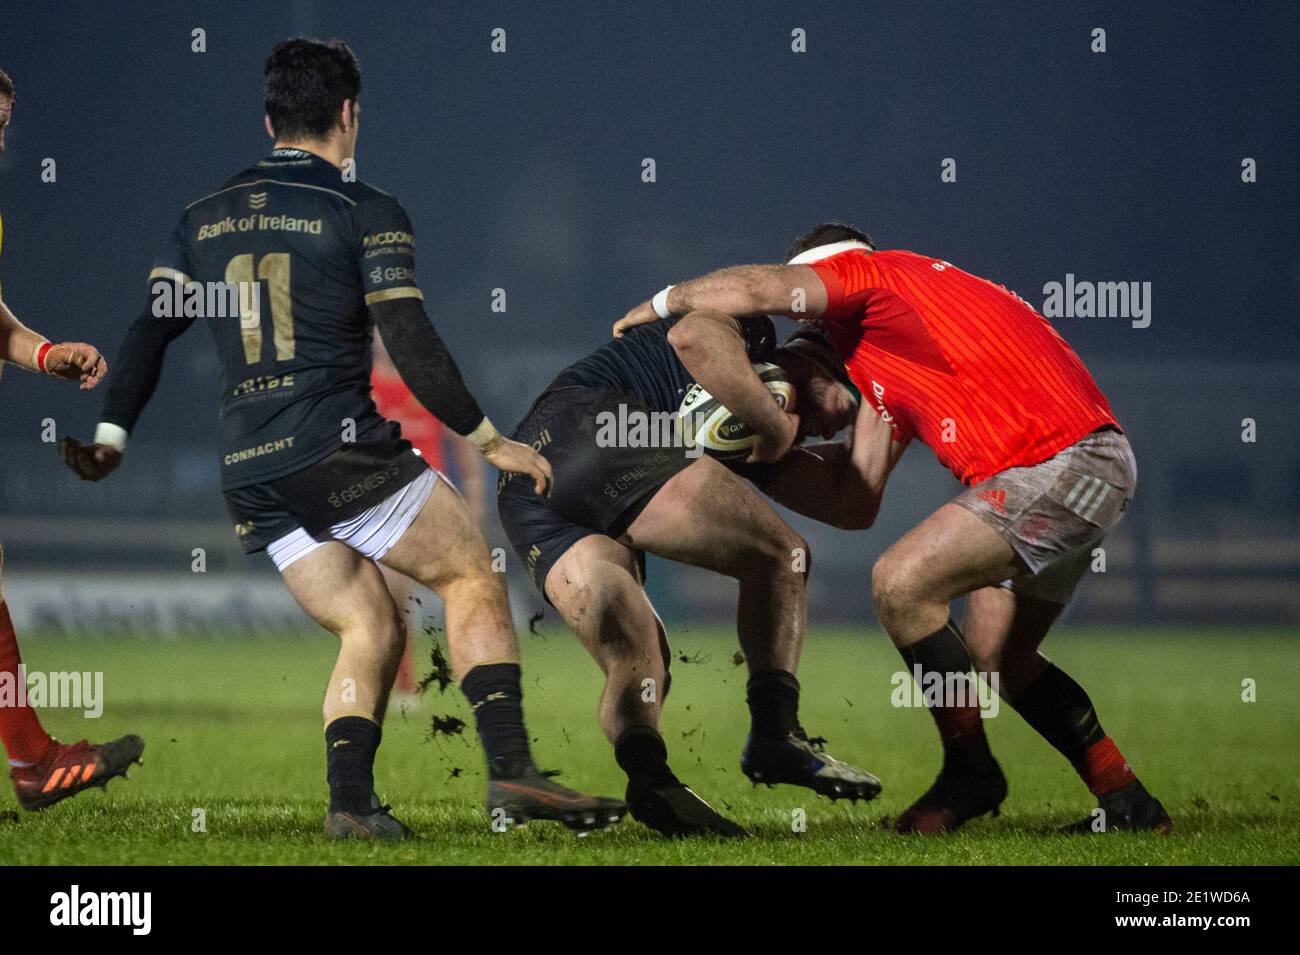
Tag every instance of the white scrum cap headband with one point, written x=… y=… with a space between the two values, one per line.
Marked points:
x=817 y=253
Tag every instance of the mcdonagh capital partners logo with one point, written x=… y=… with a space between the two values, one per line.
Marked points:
x=1079 y=298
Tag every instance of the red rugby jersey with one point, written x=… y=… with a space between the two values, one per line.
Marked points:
x=965 y=365
x=394 y=401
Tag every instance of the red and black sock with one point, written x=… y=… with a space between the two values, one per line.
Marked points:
x=495 y=695
x=1062 y=713
x=25 y=740
x=943 y=656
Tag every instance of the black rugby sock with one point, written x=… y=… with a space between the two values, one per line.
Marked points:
x=495 y=696
x=1061 y=712
x=943 y=656
x=641 y=753
x=773 y=697
x=350 y=745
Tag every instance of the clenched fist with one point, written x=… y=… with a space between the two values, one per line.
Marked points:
x=91 y=462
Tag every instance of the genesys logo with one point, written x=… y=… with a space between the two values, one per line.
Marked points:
x=132 y=910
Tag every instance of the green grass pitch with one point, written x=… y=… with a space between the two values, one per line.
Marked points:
x=233 y=729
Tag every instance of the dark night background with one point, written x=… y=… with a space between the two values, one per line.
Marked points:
x=522 y=171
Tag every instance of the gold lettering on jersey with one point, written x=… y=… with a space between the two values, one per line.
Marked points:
x=388 y=238
x=259 y=222
x=257 y=451
x=213 y=229
x=289 y=224
x=252 y=386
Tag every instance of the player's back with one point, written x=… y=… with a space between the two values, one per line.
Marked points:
x=295 y=349
x=644 y=364
x=959 y=361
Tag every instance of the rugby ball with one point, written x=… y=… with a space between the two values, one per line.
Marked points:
x=706 y=423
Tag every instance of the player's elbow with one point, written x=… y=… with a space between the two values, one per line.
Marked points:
x=687 y=336
x=856 y=518
x=857 y=510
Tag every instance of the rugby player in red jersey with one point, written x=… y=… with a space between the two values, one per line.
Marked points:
x=44 y=770
x=971 y=370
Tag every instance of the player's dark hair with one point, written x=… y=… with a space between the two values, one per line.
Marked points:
x=6 y=86
x=306 y=84
x=824 y=233
x=811 y=345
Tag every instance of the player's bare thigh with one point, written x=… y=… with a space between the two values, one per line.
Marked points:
x=342 y=590
x=707 y=516
x=443 y=544
x=950 y=553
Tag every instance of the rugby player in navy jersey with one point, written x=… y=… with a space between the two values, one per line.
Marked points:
x=310 y=471
x=584 y=546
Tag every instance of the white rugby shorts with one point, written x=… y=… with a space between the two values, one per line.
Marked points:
x=372 y=533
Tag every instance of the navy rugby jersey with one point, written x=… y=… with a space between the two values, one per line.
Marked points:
x=644 y=364
x=295 y=358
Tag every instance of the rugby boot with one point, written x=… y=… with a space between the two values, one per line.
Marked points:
x=957 y=796
x=795 y=760
x=533 y=795
x=672 y=809
x=378 y=823
x=1128 y=809
x=69 y=768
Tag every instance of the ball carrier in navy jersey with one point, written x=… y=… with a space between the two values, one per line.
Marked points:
x=311 y=473
x=584 y=545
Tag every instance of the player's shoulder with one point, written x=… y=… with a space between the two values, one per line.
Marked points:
x=904 y=259
x=374 y=207
x=886 y=258
x=298 y=170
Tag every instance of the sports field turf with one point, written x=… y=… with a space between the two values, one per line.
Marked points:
x=232 y=728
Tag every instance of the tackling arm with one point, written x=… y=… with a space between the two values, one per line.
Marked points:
x=795 y=291
x=711 y=347
x=840 y=484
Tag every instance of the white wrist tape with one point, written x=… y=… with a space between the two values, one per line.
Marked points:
x=111 y=435
x=36 y=354
x=485 y=437
x=660 y=303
